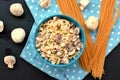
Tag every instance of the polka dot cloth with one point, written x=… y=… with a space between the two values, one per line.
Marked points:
x=72 y=72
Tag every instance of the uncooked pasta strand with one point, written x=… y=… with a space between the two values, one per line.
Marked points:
x=103 y=43
x=116 y=17
x=102 y=12
x=88 y=48
x=100 y=33
x=102 y=37
x=85 y=59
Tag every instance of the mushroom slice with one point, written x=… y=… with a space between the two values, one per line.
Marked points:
x=72 y=52
x=77 y=30
x=65 y=60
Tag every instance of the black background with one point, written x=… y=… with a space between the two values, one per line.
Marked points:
x=25 y=71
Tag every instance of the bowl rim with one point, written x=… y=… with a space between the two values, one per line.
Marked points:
x=67 y=18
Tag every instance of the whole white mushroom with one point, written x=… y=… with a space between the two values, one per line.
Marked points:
x=45 y=3
x=16 y=9
x=92 y=23
x=10 y=61
x=18 y=35
x=1 y=26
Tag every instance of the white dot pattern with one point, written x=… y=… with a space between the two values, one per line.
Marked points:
x=111 y=38
x=93 y=5
x=29 y=54
x=98 y=6
x=72 y=72
x=68 y=70
x=72 y=77
x=57 y=75
x=91 y=11
x=98 y=12
x=49 y=72
x=80 y=72
x=79 y=78
x=74 y=65
x=119 y=27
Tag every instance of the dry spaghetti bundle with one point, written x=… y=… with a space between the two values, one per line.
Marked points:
x=92 y=60
x=71 y=8
x=105 y=27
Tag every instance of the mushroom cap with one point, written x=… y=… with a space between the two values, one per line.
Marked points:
x=16 y=9
x=1 y=26
x=10 y=61
x=18 y=35
x=92 y=23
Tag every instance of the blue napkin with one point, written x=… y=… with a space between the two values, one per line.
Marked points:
x=72 y=72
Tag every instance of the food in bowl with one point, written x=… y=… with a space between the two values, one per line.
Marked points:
x=58 y=40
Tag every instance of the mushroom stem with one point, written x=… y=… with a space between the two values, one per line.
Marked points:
x=10 y=65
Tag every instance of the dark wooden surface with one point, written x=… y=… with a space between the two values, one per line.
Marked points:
x=23 y=70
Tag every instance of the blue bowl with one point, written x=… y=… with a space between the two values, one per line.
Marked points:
x=82 y=38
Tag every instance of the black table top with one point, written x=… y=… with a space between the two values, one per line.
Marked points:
x=25 y=71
